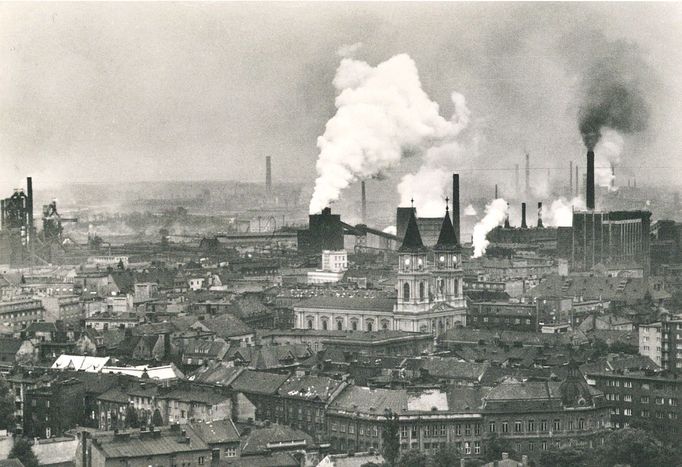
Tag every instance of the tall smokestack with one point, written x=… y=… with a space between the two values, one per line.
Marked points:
x=540 y=224
x=527 y=173
x=363 y=200
x=589 y=189
x=506 y=218
x=495 y=191
x=29 y=206
x=523 y=216
x=516 y=180
x=613 y=177
x=570 y=177
x=455 y=204
x=268 y=176
x=577 y=180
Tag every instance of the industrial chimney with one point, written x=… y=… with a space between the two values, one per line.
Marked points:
x=455 y=204
x=516 y=180
x=523 y=216
x=577 y=180
x=364 y=202
x=495 y=191
x=540 y=224
x=29 y=207
x=589 y=188
x=268 y=176
x=570 y=177
x=506 y=219
x=613 y=177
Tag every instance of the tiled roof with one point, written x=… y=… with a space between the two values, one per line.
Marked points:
x=216 y=373
x=114 y=394
x=309 y=387
x=135 y=446
x=349 y=303
x=259 y=438
x=219 y=431
x=275 y=459
x=511 y=389
x=448 y=367
x=224 y=326
x=208 y=396
x=258 y=382
x=365 y=400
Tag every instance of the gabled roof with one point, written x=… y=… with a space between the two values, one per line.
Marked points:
x=224 y=326
x=309 y=387
x=447 y=239
x=258 y=382
x=217 y=431
x=79 y=362
x=260 y=439
x=413 y=239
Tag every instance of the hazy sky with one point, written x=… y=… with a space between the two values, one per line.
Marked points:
x=127 y=91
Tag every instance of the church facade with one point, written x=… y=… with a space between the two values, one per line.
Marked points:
x=429 y=292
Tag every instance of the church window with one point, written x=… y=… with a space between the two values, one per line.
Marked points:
x=325 y=324
x=421 y=291
x=339 y=325
x=354 y=324
x=310 y=324
x=370 y=326
x=406 y=291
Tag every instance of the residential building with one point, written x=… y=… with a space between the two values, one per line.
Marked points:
x=19 y=314
x=503 y=315
x=662 y=342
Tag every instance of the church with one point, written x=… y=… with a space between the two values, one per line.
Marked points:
x=429 y=289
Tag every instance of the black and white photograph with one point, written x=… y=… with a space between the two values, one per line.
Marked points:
x=340 y=234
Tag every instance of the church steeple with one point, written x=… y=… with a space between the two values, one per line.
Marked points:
x=447 y=239
x=412 y=241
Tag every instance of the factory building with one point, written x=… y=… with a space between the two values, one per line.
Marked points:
x=325 y=232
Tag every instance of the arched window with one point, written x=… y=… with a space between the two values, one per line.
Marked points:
x=384 y=324
x=339 y=325
x=406 y=291
x=441 y=286
x=354 y=325
x=370 y=325
x=310 y=324
x=325 y=324
x=421 y=291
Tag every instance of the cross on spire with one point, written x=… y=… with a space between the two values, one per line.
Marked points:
x=412 y=202
x=447 y=206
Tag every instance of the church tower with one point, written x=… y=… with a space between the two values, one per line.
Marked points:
x=414 y=294
x=447 y=268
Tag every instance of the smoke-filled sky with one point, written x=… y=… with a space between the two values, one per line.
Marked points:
x=177 y=91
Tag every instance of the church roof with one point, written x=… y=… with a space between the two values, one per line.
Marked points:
x=413 y=239
x=447 y=239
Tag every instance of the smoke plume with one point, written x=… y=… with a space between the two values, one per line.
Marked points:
x=495 y=213
x=607 y=153
x=432 y=182
x=391 y=229
x=470 y=210
x=613 y=82
x=382 y=113
x=560 y=212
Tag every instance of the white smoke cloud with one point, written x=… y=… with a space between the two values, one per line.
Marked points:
x=470 y=210
x=382 y=113
x=495 y=213
x=348 y=50
x=431 y=183
x=560 y=212
x=391 y=229
x=607 y=153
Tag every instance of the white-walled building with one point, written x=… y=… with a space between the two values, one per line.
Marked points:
x=334 y=265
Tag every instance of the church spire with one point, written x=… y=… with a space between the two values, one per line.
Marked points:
x=413 y=239
x=447 y=239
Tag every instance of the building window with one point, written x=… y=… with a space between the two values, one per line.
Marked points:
x=557 y=424
x=518 y=426
x=531 y=425
x=201 y=460
x=581 y=424
x=325 y=324
x=644 y=399
x=370 y=326
x=491 y=427
x=421 y=291
x=477 y=447
x=505 y=427
x=543 y=425
x=354 y=325
x=310 y=324
x=339 y=325
x=467 y=447
x=406 y=291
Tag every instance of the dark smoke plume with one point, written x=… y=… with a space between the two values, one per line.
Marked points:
x=615 y=79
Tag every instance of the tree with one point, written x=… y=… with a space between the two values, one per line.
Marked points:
x=566 y=456
x=22 y=451
x=494 y=446
x=413 y=458
x=6 y=406
x=447 y=456
x=635 y=447
x=390 y=437
x=132 y=419
x=157 y=419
